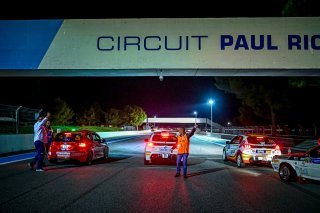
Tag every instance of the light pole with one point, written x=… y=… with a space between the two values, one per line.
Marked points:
x=211 y=103
x=195 y=117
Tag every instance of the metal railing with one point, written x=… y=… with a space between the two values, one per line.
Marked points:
x=16 y=119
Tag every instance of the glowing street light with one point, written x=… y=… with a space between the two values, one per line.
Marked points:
x=211 y=103
x=195 y=117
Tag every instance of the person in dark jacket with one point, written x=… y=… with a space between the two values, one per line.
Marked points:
x=183 y=149
x=49 y=132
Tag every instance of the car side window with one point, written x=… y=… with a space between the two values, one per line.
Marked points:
x=89 y=137
x=315 y=154
x=235 y=140
x=96 y=138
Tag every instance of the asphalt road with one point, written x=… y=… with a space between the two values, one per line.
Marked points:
x=123 y=183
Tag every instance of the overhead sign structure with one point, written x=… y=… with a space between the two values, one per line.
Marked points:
x=90 y=45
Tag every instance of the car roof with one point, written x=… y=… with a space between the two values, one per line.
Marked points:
x=82 y=131
x=256 y=135
x=162 y=132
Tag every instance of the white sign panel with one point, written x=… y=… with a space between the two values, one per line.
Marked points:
x=191 y=43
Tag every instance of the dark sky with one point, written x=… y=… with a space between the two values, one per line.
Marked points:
x=141 y=9
x=174 y=96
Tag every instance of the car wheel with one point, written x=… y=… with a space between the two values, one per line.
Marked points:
x=89 y=158
x=224 y=155
x=240 y=163
x=286 y=173
x=146 y=162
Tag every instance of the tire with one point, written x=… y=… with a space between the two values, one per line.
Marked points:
x=224 y=155
x=146 y=162
x=240 y=163
x=89 y=158
x=287 y=173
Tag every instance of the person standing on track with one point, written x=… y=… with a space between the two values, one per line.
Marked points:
x=40 y=139
x=183 y=149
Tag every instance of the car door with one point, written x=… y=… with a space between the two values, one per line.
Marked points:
x=233 y=146
x=313 y=166
x=98 y=147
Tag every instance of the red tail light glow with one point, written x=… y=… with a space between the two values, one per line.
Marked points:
x=277 y=147
x=82 y=145
x=247 y=146
x=68 y=134
x=164 y=134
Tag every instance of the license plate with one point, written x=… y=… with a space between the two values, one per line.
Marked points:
x=268 y=151
x=63 y=154
x=260 y=151
x=164 y=149
x=165 y=155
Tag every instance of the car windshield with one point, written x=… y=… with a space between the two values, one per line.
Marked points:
x=164 y=138
x=68 y=137
x=260 y=140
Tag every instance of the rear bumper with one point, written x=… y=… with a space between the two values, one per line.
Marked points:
x=256 y=159
x=162 y=157
x=79 y=156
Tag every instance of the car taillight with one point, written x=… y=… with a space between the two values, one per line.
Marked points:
x=247 y=146
x=165 y=135
x=150 y=144
x=82 y=145
x=277 y=147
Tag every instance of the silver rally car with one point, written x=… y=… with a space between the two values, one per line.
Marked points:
x=161 y=146
x=303 y=165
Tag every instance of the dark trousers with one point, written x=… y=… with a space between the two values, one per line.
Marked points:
x=38 y=159
x=184 y=158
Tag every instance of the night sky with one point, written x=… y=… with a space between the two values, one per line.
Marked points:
x=142 y=9
x=174 y=96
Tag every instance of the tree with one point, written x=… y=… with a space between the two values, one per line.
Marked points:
x=93 y=116
x=302 y=8
x=113 y=117
x=264 y=96
x=134 y=115
x=62 y=112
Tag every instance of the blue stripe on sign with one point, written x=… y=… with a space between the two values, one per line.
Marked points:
x=23 y=43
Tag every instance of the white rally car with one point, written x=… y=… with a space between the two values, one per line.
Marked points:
x=161 y=146
x=250 y=149
x=304 y=165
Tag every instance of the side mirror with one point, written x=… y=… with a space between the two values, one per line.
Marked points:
x=146 y=140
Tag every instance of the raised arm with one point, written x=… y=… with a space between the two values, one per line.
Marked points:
x=192 y=132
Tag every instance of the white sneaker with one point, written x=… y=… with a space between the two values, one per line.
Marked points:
x=39 y=170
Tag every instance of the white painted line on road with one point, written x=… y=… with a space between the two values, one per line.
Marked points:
x=248 y=172
x=216 y=141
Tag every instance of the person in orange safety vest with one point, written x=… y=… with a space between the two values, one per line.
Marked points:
x=183 y=149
